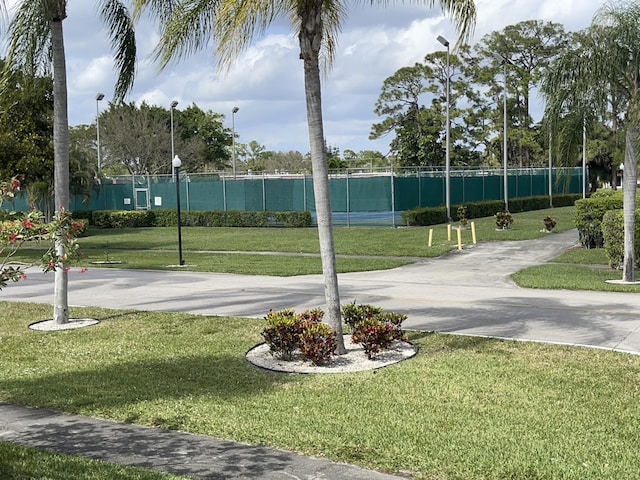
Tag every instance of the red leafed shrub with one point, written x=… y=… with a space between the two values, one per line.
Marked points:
x=282 y=333
x=288 y=333
x=376 y=335
x=317 y=343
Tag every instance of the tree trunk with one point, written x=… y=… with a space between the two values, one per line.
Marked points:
x=629 y=184
x=61 y=163
x=310 y=41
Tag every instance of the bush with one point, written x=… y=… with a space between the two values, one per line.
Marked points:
x=317 y=342
x=549 y=223
x=425 y=216
x=375 y=335
x=200 y=218
x=288 y=333
x=123 y=218
x=462 y=215
x=282 y=333
x=352 y=313
x=503 y=220
x=374 y=329
x=589 y=214
x=613 y=237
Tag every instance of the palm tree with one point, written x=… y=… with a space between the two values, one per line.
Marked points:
x=188 y=25
x=604 y=65
x=36 y=41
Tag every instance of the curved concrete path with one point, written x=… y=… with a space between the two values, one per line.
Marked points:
x=466 y=292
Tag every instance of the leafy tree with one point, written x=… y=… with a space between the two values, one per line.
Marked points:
x=125 y=130
x=253 y=155
x=26 y=122
x=528 y=48
x=36 y=42
x=582 y=81
x=189 y=25
x=204 y=135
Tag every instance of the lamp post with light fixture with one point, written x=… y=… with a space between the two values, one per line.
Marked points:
x=504 y=62
x=447 y=167
x=174 y=104
x=176 y=163
x=233 y=140
x=99 y=98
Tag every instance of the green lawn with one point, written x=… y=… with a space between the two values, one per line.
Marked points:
x=285 y=252
x=463 y=408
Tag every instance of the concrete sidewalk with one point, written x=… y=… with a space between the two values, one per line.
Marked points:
x=179 y=453
x=466 y=292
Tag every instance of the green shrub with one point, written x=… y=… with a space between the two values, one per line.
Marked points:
x=589 y=213
x=613 y=237
x=123 y=218
x=462 y=215
x=425 y=216
x=352 y=313
x=200 y=218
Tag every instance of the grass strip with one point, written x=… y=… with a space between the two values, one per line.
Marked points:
x=464 y=407
x=24 y=463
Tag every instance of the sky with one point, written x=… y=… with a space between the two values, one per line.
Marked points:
x=266 y=81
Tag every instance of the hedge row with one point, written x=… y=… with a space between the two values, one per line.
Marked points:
x=424 y=216
x=196 y=218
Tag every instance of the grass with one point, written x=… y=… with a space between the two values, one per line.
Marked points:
x=463 y=408
x=24 y=463
x=286 y=252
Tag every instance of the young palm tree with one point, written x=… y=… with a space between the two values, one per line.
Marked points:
x=189 y=25
x=36 y=40
x=604 y=65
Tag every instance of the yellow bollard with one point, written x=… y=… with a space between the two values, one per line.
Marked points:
x=430 y=236
x=473 y=232
x=459 y=239
x=448 y=232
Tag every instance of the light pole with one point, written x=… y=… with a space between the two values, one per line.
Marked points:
x=447 y=168
x=176 y=163
x=233 y=140
x=99 y=97
x=504 y=62
x=174 y=104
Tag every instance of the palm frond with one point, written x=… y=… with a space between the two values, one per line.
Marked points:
x=119 y=24
x=29 y=38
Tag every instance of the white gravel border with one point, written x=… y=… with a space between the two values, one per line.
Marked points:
x=355 y=360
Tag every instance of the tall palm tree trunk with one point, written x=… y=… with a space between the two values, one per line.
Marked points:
x=310 y=40
x=61 y=163
x=629 y=185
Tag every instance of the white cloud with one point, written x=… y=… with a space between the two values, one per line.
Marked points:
x=267 y=80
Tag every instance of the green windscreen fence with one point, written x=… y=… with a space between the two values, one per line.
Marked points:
x=351 y=191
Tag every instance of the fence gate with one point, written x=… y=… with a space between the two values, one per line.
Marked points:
x=141 y=195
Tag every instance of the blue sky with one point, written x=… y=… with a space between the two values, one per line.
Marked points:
x=266 y=81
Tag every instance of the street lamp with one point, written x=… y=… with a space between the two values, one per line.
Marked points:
x=504 y=62
x=176 y=164
x=233 y=140
x=174 y=104
x=99 y=97
x=447 y=167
